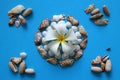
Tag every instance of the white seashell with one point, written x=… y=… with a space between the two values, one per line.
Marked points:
x=53 y=23
x=29 y=71
x=68 y=24
x=79 y=40
x=55 y=18
x=75 y=42
x=13 y=67
x=96 y=69
x=108 y=66
x=16 y=10
x=77 y=47
x=44 y=33
x=61 y=16
x=23 y=55
x=22 y=67
x=61 y=22
x=78 y=34
x=74 y=28
x=44 y=41
x=17 y=23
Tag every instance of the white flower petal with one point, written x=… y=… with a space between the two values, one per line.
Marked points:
x=78 y=34
x=51 y=35
x=44 y=33
x=67 y=48
x=61 y=29
x=61 y=22
x=53 y=46
x=71 y=36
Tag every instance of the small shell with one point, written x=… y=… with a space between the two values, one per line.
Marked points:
x=96 y=16
x=29 y=71
x=94 y=62
x=52 y=60
x=106 y=10
x=103 y=66
x=12 y=21
x=95 y=11
x=57 y=18
x=74 y=28
x=16 y=60
x=17 y=23
x=16 y=10
x=27 y=12
x=73 y=21
x=67 y=62
x=65 y=56
x=83 y=43
x=38 y=38
x=78 y=54
x=45 y=23
x=90 y=8
x=96 y=69
x=23 y=55
x=68 y=24
x=108 y=66
x=22 y=19
x=42 y=52
x=105 y=58
x=13 y=67
x=22 y=67
x=78 y=34
x=82 y=31
x=99 y=59
x=101 y=22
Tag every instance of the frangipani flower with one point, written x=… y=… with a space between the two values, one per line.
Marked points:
x=59 y=36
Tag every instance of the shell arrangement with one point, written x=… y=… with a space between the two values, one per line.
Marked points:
x=61 y=40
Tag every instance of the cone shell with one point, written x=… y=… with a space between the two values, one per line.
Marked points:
x=96 y=69
x=52 y=60
x=13 y=67
x=78 y=54
x=27 y=12
x=73 y=21
x=67 y=62
x=22 y=67
x=90 y=8
x=42 y=52
x=29 y=71
x=108 y=66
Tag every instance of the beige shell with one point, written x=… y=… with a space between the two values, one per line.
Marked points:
x=67 y=62
x=108 y=66
x=101 y=22
x=52 y=60
x=38 y=38
x=16 y=60
x=78 y=54
x=83 y=43
x=73 y=21
x=42 y=52
x=29 y=71
x=106 y=10
x=12 y=21
x=105 y=58
x=96 y=16
x=95 y=11
x=82 y=31
x=22 y=19
x=96 y=69
x=22 y=67
x=27 y=12
x=16 y=10
x=13 y=67
x=103 y=66
x=90 y=8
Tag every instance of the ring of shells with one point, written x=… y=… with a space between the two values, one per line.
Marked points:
x=61 y=40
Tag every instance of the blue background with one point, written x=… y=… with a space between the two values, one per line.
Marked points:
x=15 y=40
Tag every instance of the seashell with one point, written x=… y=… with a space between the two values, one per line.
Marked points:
x=76 y=47
x=67 y=62
x=61 y=22
x=90 y=8
x=95 y=11
x=74 y=28
x=29 y=71
x=45 y=23
x=22 y=67
x=13 y=67
x=12 y=21
x=95 y=62
x=83 y=43
x=99 y=59
x=106 y=10
x=96 y=69
x=73 y=21
x=57 y=18
x=78 y=54
x=78 y=34
x=52 y=60
x=16 y=10
x=27 y=12
x=22 y=19
x=96 y=16
x=105 y=58
x=82 y=31
x=42 y=52
x=68 y=24
x=53 y=23
x=101 y=22
x=16 y=60
x=108 y=66
x=17 y=23
x=23 y=55
x=103 y=66
x=38 y=38
x=65 y=56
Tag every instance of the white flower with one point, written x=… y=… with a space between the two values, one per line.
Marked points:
x=59 y=37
